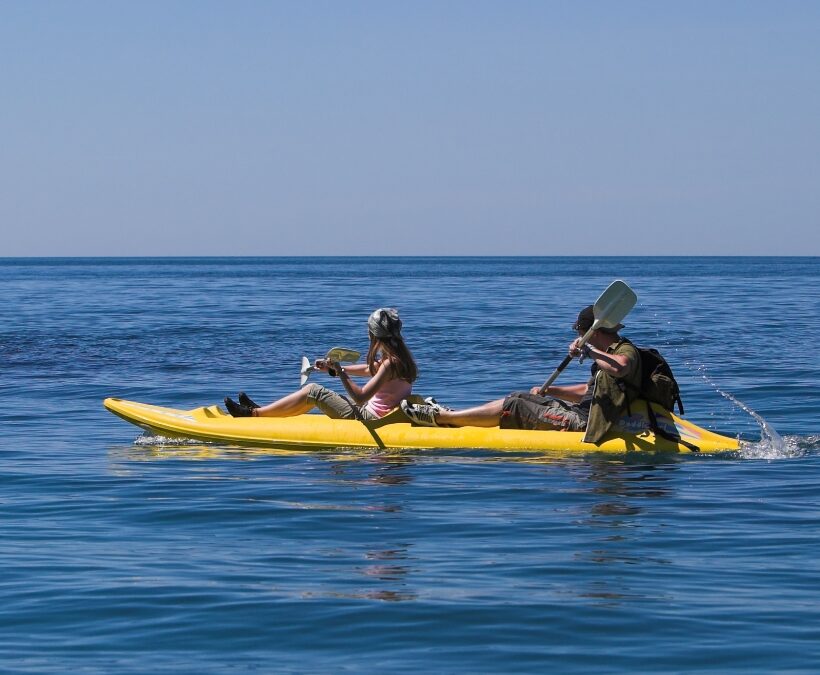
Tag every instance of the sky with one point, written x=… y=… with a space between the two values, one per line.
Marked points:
x=409 y=128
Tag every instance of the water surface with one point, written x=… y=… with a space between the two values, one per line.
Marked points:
x=122 y=554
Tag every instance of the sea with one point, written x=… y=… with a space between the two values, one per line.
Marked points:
x=127 y=553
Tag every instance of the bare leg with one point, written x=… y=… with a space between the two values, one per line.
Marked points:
x=287 y=406
x=487 y=415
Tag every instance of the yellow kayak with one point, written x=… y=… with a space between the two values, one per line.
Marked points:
x=315 y=431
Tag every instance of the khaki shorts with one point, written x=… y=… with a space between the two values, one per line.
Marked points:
x=335 y=405
x=522 y=410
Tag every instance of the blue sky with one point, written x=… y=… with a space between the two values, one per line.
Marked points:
x=391 y=128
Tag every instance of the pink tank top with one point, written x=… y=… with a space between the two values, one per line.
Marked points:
x=388 y=397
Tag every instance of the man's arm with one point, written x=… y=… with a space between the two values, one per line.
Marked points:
x=616 y=365
x=572 y=393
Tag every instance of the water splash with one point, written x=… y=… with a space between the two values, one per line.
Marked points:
x=793 y=446
x=150 y=440
x=771 y=444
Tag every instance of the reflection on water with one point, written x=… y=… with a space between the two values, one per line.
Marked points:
x=613 y=530
x=614 y=509
x=385 y=575
x=625 y=480
x=384 y=568
x=389 y=565
x=616 y=521
x=385 y=596
x=151 y=448
x=386 y=572
x=191 y=450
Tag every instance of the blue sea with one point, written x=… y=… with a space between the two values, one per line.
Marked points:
x=130 y=554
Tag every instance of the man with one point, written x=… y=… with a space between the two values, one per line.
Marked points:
x=591 y=407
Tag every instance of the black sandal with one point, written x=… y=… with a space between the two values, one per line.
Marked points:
x=237 y=409
x=246 y=400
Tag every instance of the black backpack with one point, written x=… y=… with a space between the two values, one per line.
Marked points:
x=658 y=385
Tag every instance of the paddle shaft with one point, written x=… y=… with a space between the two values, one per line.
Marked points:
x=567 y=359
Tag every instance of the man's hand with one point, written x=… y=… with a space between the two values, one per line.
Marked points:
x=574 y=349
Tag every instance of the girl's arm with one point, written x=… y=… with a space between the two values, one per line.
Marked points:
x=355 y=369
x=358 y=370
x=365 y=392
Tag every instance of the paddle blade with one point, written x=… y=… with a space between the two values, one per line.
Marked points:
x=343 y=355
x=613 y=305
x=305 y=372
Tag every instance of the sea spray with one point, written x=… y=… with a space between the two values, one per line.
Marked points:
x=771 y=444
x=162 y=441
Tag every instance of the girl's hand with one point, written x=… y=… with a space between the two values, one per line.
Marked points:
x=573 y=348
x=321 y=364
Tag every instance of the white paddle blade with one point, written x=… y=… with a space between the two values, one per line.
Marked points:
x=307 y=369
x=613 y=305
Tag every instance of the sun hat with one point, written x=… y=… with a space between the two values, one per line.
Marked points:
x=385 y=323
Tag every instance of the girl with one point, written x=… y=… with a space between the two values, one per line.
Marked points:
x=390 y=366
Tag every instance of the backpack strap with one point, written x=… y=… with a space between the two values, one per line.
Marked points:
x=675 y=438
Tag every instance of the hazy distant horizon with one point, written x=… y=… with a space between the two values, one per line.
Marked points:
x=379 y=256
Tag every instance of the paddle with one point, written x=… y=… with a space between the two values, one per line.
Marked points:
x=335 y=355
x=613 y=305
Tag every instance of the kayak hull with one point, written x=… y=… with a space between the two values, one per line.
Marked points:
x=316 y=431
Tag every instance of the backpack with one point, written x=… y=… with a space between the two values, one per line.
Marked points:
x=658 y=385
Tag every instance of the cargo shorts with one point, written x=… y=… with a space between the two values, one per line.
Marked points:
x=522 y=410
x=335 y=405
